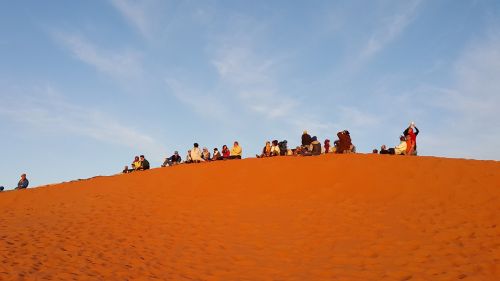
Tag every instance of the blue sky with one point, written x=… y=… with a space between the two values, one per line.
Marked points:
x=87 y=85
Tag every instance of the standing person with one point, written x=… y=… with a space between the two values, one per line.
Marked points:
x=306 y=140
x=327 y=146
x=23 y=182
x=412 y=131
x=196 y=154
x=226 y=153
x=236 y=151
x=144 y=163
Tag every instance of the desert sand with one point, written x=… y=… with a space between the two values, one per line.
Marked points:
x=331 y=217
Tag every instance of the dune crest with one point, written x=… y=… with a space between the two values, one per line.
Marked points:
x=332 y=217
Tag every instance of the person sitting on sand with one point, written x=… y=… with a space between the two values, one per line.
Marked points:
x=315 y=146
x=23 y=182
x=275 y=149
x=136 y=164
x=384 y=150
x=327 y=146
x=345 y=143
x=196 y=154
x=144 y=164
x=188 y=158
x=401 y=148
x=216 y=155
x=226 y=153
x=1 y=188
x=266 y=151
x=205 y=154
x=126 y=170
x=172 y=160
x=306 y=140
x=236 y=151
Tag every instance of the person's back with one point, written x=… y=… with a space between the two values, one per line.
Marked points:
x=306 y=139
x=196 y=154
x=316 y=146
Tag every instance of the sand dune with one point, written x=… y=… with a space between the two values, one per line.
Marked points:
x=332 y=217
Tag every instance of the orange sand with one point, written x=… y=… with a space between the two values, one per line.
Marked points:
x=333 y=217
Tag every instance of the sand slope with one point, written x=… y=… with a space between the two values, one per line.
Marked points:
x=333 y=217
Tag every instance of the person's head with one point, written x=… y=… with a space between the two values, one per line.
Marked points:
x=216 y=150
x=205 y=149
x=402 y=138
x=375 y=151
x=1 y=188
x=346 y=132
x=195 y=144
x=314 y=138
x=141 y=157
x=176 y=152
x=327 y=141
x=23 y=176
x=224 y=147
x=305 y=132
x=268 y=143
x=136 y=158
x=236 y=143
x=383 y=147
x=275 y=142
x=410 y=130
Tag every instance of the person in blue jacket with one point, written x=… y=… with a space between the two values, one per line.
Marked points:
x=23 y=182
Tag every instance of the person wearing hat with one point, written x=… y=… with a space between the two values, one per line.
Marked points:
x=23 y=182
x=172 y=160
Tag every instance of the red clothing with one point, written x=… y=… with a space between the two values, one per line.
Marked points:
x=226 y=153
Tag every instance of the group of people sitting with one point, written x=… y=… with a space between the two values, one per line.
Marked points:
x=407 y=144
x=310 y=146
x=139 y=164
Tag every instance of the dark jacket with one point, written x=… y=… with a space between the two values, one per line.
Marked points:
x=23 y=184
x=175 y=158
x=316 y=148
x=306 y=139
x=145 y=165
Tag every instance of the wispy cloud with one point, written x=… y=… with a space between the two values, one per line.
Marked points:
x=49 y=111
x=115 y=63
x=467 y=125
x=137 y=14
x=390 y=28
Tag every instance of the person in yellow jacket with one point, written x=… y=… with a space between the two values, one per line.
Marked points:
x=136 y=164
x=236 y=151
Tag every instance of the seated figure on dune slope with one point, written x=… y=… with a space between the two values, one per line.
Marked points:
x=236 y=151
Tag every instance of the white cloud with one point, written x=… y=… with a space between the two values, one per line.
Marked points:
x=117 y=64
x=136 y=14
x=465 y=114
x=390 y=29
x=203 y=104
x=48 y=111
